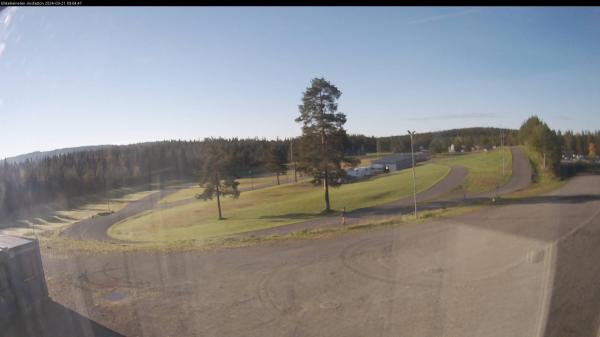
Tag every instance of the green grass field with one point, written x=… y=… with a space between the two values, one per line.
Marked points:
x=543 y=179
x=270 y=207
x=47 y=218
x=369 y=157
x=245 y=183
x=485 y=168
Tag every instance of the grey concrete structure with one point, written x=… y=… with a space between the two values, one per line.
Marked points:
x=26 y=310
x=399 y=161
x=22 y=282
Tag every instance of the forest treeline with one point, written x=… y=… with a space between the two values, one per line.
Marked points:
x=467 y=139
x=63 y=176
x=585 y=143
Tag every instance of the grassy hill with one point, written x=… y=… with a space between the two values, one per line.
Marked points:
x=271 y=207
x=37 y=155
x=544 y=180
x=485 y=168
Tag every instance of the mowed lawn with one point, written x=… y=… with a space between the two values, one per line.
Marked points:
x=245 y=184
x=485 y=168
x=270 y=207
x=51 y=217
x=369 y=158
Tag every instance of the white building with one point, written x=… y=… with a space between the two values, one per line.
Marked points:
x=399 y=161
x=361 y=172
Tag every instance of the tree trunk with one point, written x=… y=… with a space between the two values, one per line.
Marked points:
x=150 y=177
x=277 y=178
x=295 y=174
x=324 y=155
x=544 y=165
x=293 y=161
x=218 y=195
x=326 y=185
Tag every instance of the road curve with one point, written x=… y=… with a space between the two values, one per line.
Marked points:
x=523 y=269
x=520 y=178
x=452 y=180
x=96 y=228
x=439 y=195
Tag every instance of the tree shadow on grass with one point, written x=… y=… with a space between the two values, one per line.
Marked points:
x=392 y=209
x=66 y=217
x=568 y=199
x=54 y=219
x=295 y=216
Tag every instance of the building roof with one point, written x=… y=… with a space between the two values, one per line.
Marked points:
x=392 y=159
x=9 y=242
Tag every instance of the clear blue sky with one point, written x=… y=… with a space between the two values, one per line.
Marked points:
x=84 y=76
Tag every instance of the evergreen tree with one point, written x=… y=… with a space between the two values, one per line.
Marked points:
x=323 y=136
x=592 y=154
x=217 y=175
x=535 y=133
x=275 y=160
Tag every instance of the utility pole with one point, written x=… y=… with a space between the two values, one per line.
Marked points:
x=251 y=181
x=412 y=151
x=502 y=149
x=107 y=194
x=218 y=181
x=292 y=160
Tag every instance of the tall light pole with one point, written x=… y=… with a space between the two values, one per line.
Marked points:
x=292 y=160
x=251 y=180
x=412 y=151
x=502 y=149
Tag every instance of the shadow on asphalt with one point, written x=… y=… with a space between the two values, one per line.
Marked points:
x=574 y=199
x=52 y=319
x=573 y=298
x=573 y=281
x=571 y=199
x=574 y=307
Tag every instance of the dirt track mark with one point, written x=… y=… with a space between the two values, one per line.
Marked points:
x=463 y=259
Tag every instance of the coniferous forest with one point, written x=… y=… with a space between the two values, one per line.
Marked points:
x=30 y=182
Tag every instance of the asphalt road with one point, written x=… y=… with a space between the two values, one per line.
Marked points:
x=527 y=269
x=454 y=178
x=520 y=178
x=444 y=193
x=96 y=228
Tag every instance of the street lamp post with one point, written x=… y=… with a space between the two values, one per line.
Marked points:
x=502 y=149
x=251 y=180
x=412 y=151
x=293 y=161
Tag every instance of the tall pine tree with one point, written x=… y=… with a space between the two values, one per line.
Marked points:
x=275 y=159
x=217 y=175
x=323 y=136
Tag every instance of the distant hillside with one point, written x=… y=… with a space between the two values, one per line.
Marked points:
x=45 y=154
x=439 y=141
x=78 y=171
